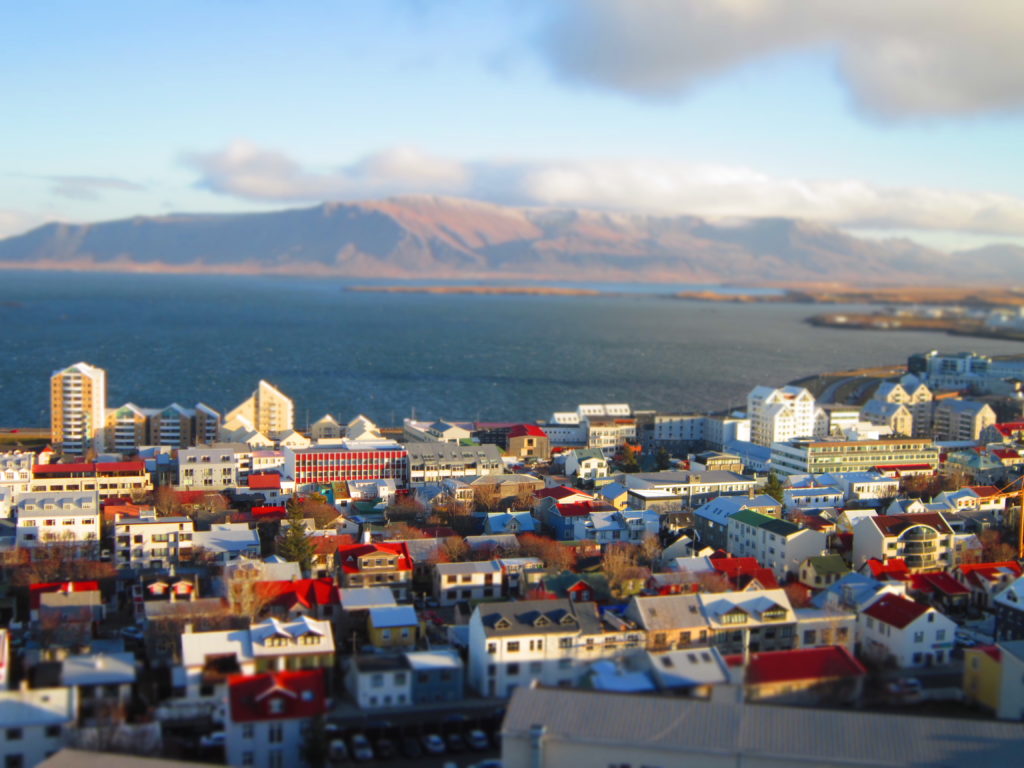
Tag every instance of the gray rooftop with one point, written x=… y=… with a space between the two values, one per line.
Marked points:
x=666 y=612
x=774 y=734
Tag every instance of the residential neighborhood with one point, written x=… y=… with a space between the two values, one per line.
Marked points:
x=234 y=590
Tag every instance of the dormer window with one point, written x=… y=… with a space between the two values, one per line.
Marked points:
x=775 y=613
x=541 y=621
x=567 y=619
x=502 y=624
x=735 y=616
x=275 y=706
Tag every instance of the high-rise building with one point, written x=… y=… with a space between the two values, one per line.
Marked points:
x=267 y=410
x=78 y=409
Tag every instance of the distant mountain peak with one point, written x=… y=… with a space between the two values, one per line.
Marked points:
x=442 y=237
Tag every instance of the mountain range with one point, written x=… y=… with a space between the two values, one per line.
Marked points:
x=428 y=237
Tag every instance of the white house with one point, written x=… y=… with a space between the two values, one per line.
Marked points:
x=586 y=464
x=912 y=634
x=379 y=681
x=458 y=582
x=758 y=620
x=269 y=715
x=36 y=723
x=862 y=486
x=816 y=496
x=213 y=468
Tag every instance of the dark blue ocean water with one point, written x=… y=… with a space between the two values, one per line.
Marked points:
x=165 y=338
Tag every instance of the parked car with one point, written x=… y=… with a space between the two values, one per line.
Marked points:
x=212 y=740
x=477 y=740
x=337 y=751
x=907 y=690
x=360 y=747
x=432 y=744
x=132 y=632
x=455 y=743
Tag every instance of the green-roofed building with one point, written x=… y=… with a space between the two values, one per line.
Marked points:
x=777 y=544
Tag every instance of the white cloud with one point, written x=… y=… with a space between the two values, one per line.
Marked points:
x=254 y=173
x=89 y=187
x=910 y=57
x=643 y=186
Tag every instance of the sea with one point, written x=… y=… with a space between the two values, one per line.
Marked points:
x=188 y=338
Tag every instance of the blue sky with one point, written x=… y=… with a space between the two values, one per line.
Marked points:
x=887 y=118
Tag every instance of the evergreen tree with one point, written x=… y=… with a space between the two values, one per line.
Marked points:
x=662 y=459
x=773 y=487
x=295 y=544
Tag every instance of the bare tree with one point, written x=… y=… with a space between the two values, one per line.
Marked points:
x=245 y=597
x=456 y=548
x=650 y=549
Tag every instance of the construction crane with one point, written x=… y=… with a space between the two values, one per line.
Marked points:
x=1006 y=493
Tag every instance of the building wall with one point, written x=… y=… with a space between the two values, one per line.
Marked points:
x=982 y=679
x=78 y=409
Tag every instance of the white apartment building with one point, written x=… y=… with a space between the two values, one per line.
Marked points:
x=78 y=408
x=780 y=414
x=463 y=582
x=776 y=544
x=50 y=518
x=214 y=467
x=152 y=542
x=924 y=540
x=551 y=641
x=961 y=419
x=915 y=395
x=267 y=411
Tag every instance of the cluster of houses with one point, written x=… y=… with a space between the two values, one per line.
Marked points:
x=453 y=561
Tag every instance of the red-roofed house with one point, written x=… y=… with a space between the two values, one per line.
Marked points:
x=528 y=441
x=804 y=676
x=268 y=716
x=1003 y=432
x=891 y=570
x=984 y=580
x=943 y=591
x=36 y=592
x=382 y=564
x=908 y=632
x=744 y=572
x=317 y=598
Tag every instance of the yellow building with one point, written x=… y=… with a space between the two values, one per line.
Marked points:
x=982 y=676
x=393 y=627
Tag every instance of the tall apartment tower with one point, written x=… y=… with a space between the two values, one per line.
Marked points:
x=78 y=408
x=268 y=411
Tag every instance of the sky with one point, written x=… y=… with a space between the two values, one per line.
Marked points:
x=884 y=118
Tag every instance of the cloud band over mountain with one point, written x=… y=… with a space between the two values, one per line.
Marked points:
x=250 y=172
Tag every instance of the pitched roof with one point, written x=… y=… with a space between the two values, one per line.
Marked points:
x=894 y=525
x=803 y=664
x=524 y=430
x=896 y=611
x=277 y=695
x=938 y=582
x=350 y=554
x=265 y=481
x=306 y=593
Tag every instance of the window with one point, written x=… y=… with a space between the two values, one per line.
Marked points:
x=247 y=758
x=565 y=642
x=377 y=680
x=513 y=646
x=52 y=731
x=275 y=733
x=492 y=647
x=809 y=637
x=275 y=706
x=919 y=637
x=940 y=635
x=513 y=669
x=13 y=734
